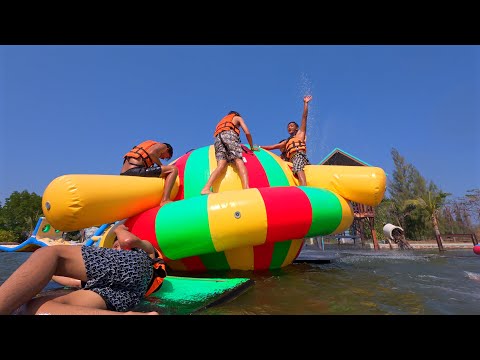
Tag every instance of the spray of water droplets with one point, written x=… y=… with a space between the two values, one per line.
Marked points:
x=315 y=135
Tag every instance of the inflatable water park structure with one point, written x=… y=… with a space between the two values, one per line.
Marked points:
x=44 y=234
x=260 y=228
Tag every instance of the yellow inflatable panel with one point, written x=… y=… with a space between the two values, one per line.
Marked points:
x=361 y=184
x=76 y=201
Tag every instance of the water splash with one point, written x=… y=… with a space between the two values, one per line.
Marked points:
x=316 y=131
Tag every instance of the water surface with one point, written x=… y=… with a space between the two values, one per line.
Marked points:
x=355 y=282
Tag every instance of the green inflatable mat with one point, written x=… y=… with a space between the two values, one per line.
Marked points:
x=181 y=295
x=187 y=295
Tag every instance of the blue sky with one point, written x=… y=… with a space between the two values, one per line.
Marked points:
x=78 y=108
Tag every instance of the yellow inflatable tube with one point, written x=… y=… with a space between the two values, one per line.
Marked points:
x=76 y=201
x=361 y=184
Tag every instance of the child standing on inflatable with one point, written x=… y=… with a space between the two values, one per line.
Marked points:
x=228 y=148
x=141 y=161
x=294 y=148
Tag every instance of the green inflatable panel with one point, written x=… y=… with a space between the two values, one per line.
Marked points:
x=187 y=295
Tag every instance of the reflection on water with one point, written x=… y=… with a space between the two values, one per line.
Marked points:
x=354 y=282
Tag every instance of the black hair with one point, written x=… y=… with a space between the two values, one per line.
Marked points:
x=170 y=150
x=234 y=112
x=293 y=122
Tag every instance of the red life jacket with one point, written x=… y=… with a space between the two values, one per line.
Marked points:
x=226 y=124
x=140 y=152
x=159 y=273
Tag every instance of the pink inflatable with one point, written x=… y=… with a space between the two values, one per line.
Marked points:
x=476 y=249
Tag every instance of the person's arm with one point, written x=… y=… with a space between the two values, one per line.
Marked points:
x=127 y=240
x=278 y=146
x=239 y=121
x=302 y=131
x=67 y=281
x=155 y=154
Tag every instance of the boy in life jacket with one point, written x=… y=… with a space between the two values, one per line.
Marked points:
x=228 y=149
x=294 y=148
x=111 y=281
x=144 y=160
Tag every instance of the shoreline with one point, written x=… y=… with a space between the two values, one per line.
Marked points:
x=416 y=245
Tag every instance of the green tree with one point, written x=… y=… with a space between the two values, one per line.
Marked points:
x=406 y=184
x=431 y=201
x=20 y=213
x=6 y=236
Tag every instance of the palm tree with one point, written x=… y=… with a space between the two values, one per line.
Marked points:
x=432 y=201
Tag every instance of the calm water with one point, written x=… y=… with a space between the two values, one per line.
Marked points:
x=420 y=282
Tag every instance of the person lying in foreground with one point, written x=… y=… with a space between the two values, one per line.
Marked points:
x=114 y=279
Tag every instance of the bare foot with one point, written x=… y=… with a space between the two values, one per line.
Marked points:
x=205 y=192
x=165 y=202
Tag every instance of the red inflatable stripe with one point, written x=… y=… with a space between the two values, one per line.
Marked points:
x=143 y=225
x=262 y=255
x=288 y=216
x=256 y=173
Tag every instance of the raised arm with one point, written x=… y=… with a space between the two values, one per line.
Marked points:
x=302 y=131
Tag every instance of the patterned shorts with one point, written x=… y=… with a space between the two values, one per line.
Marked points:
x=227 y=146
x=299 y=160
x=120 y=277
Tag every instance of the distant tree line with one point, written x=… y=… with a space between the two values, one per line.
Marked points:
x=19 y=216
x=423 y=210
x=418 y=206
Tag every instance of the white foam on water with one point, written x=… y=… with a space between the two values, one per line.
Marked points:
x=472 y=275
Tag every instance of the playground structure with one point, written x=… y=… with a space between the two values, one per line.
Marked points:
x=44 y=234
x=231 y=229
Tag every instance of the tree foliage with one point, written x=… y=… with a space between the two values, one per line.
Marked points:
x=431 y=202
x=405 y=185
x=423 y=210
x=20 y=214
x=7 y=236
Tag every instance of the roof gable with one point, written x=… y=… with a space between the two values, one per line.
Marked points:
x=339 y=157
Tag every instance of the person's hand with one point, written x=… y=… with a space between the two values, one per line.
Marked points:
x=307 y=98
x=255 y=147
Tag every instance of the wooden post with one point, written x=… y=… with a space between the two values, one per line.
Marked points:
x=474 y=239
x=371 y=222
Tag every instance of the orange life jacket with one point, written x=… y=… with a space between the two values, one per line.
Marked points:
x=293 y=145
x=159 y=273
x=226 y=124
x=140 y=152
